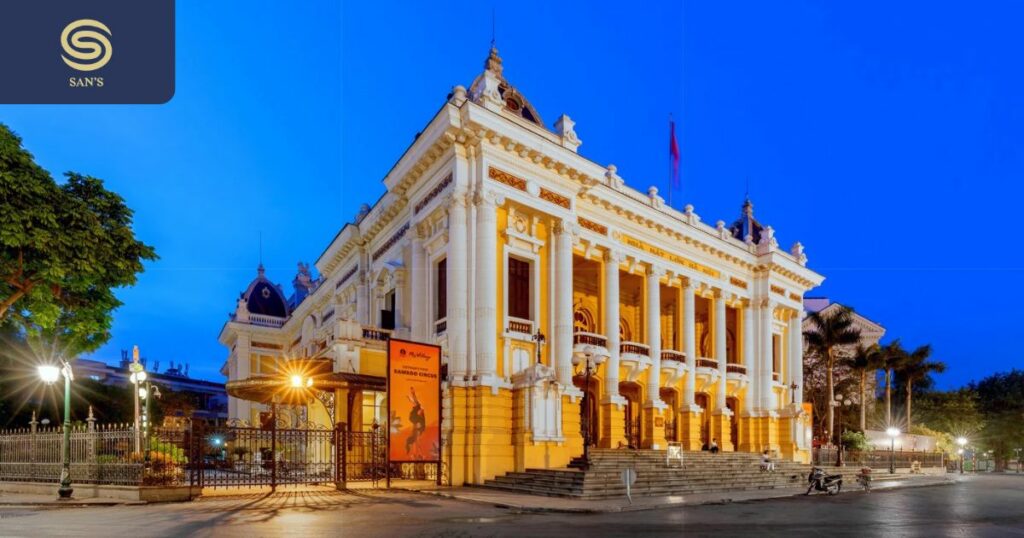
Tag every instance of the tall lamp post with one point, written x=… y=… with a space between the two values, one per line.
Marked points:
x=1016 y=453
x=147 y=393
x=962 y=441
x=50 y=374
x=840 y=402
x=589 y=362
x=893 y=434
x=137 y=377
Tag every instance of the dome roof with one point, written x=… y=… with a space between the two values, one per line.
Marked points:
x=514 y=102
x=747 y=225
x=264 y=297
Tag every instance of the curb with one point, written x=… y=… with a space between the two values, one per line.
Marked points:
x=782 y=494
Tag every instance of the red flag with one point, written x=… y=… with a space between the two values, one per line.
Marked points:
x=673 y=153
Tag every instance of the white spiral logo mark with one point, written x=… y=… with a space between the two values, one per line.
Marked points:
x=82 y=41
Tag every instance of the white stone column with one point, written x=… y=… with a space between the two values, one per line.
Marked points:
x=401 y=310
x=720 y=349
x=796 y=355
x=748 y=358
x=654 y=275
x=419 y=298
x=767 y=393
x=611 y=321
x=689 y=343
x=486 y=297
x=456 y=281
x=562 y=290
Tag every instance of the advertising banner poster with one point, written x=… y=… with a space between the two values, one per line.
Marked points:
x=414 y=402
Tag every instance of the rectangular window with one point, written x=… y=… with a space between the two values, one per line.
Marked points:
x=441 y=300
x=776 y=343
x=518 y=288
x=387 y=314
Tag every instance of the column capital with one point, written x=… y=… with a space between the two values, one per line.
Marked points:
x=458 y=200
x=487 y=199
x=566 y=227
x=614 y=256
x=656 y=271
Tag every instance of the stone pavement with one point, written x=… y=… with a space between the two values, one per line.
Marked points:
x=510 y=500
x=536 y=503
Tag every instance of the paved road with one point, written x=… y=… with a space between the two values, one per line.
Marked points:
x=979 y=506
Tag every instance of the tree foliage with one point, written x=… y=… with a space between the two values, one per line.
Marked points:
x=64 y=249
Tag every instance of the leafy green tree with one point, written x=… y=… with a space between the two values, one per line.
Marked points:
x=917 y=368
x=829 y=332
x=64 y=249
x=865 y=360
x=1001 y=401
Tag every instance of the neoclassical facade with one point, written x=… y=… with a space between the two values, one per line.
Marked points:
x=525 y=262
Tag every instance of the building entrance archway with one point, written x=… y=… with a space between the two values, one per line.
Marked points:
x=632 y=393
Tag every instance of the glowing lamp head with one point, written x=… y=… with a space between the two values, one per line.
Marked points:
x=49 y=373
x=309 y=381
x=962 y=441
x=143 y=393
x=960 y=451
x=893 y=432
x=296 y=381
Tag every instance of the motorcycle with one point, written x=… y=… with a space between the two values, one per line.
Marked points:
x=819 y=481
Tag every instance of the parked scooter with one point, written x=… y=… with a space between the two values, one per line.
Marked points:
x=820 y=481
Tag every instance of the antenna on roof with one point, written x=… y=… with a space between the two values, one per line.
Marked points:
x=261 y=247
x=746 y=193
x=493 y=26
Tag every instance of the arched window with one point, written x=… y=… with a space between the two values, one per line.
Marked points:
x=583 y=321
x=625 y=334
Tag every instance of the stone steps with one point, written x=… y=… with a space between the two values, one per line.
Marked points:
x=701 y=472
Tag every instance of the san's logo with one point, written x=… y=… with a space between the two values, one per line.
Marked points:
x=86 y=44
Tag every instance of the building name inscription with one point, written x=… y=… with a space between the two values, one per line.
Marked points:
x=674 y=258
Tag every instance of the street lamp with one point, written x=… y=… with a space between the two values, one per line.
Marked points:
x=839 y=402
x=962 y=441
x=147 y=393
x=137 y=377
x=1017 y=452
x=893 y=434
x=589 y=363
x=49 y=374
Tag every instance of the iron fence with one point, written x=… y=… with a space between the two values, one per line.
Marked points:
x=879 y=459
x=100 y=454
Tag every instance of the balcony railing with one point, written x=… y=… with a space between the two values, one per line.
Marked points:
x=736 y=369
x=673 y=355
x=580 y=337
x=519 y=325
x=636 y=348
x=373 y=333
x=704 y=362
x=266 y=321
x=440 y=326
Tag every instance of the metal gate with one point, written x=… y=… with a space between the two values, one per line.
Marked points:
x=231 y=456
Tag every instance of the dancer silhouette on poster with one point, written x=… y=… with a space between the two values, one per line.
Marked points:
x=418 y=419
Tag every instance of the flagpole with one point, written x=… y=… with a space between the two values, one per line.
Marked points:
x=671 y=180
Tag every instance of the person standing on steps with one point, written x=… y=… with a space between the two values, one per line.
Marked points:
x=714 y=446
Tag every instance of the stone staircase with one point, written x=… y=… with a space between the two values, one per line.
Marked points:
x=701 y=472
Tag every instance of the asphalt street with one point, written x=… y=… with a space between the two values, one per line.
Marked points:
x=979 y=506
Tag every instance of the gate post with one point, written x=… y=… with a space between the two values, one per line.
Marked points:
x=273 y=446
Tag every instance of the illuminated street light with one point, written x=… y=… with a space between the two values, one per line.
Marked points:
x=50 y=374
x=893 y=433
x=296 y=381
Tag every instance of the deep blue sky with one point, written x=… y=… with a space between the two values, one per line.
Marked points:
x=887 y=137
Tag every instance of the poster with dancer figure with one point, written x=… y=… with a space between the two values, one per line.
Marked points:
x=414 y=402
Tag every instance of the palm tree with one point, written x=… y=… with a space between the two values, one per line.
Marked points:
x=916 y=368
x=893 y=357
x=828 y=334
x=865 y=360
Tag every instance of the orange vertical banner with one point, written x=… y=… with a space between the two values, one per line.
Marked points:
x=414 y=402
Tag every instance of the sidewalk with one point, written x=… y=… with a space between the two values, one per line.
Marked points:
x=26 y=499
x=538 y=503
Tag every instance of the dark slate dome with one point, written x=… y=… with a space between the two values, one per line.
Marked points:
x=747 y=225
x=263 y=297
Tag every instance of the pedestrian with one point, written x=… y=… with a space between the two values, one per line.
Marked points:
x=714 y=446
x=767 y=465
